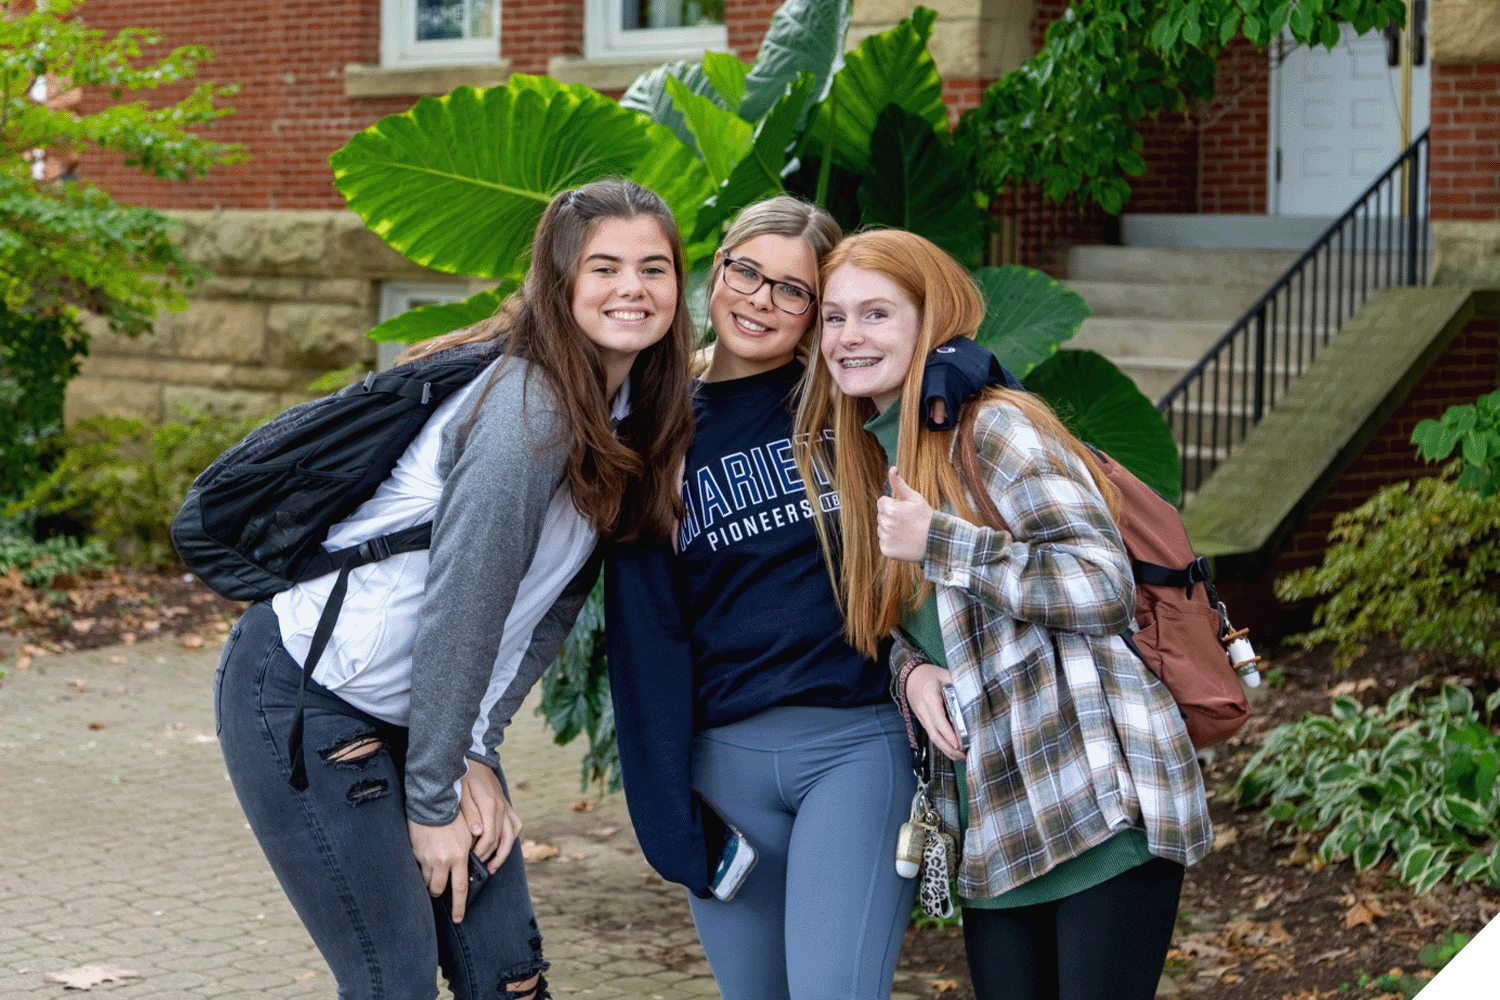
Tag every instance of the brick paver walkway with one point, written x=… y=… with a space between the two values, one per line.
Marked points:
x=124 y=845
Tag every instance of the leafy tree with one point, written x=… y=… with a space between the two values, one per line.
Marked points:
x=458 y=183
x=66 y=247
x=1066 y=118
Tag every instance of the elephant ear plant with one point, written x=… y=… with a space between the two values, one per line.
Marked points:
x=458 y=183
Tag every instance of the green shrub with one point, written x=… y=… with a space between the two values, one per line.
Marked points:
x=126 y=479
x=41 y=562
x=1415 y=778
x=1418 y=560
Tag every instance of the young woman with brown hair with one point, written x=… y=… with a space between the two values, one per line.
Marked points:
x=996 y=565
x=571 y=433
x=737 y=700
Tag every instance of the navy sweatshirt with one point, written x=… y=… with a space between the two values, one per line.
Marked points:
x=741 y=619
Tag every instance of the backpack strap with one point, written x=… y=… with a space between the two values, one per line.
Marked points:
x=344 y=560
x=1196 y=572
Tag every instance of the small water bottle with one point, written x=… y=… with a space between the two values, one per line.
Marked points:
x=1241 y=654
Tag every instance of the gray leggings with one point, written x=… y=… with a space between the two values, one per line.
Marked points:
x=820 y=793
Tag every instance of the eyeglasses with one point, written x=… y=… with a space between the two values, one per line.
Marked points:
x=746 y=280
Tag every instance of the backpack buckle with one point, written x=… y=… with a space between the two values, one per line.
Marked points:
x=375 y=549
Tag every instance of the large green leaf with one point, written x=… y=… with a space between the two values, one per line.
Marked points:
x=758 y=174
x=458 y=183
x=1102 y=406
x=728 y=77
x=804 y=36
x=1027 y=314
x=916 y=182
x=722 y=138
x=648 y=95
x=892 y=67
x=676 y=173
x=425 y=322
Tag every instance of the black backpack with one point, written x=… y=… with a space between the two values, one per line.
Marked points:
x=254 y=521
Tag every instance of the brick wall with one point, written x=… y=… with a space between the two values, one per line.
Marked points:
x=746 y=22
x=532 y=31
x=290 y=112
x=1466 y=142
x=1235 y=134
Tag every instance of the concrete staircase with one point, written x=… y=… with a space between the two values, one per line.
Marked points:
x=1157 y=311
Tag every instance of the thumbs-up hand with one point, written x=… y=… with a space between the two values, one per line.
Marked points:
x=901 y=521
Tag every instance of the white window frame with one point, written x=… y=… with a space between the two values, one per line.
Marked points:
x=399 y=45
x=604 y=39
x=397 y=297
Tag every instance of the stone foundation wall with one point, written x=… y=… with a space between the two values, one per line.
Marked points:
x=293 y=295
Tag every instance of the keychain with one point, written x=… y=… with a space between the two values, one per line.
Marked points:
x=922 y=848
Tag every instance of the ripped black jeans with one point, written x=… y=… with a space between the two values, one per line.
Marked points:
x=340 y=849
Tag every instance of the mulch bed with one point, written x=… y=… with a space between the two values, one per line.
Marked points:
x=105 y=609
x=1259 y=920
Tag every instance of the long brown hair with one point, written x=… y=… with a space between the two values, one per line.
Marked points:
x=623 y=480
x=874 y=589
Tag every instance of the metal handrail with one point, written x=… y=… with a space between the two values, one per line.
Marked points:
x=1237 y=380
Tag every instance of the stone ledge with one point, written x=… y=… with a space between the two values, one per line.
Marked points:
x=1464 y=31
x=605 y=74
x=361 y=80
x=1466 y=253
x=1292 y=457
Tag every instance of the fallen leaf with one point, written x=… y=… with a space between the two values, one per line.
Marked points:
x=128 y=638
x=308 y=975
x=1358 y=914
x=86 y=977
x=96 y=724
x=1265 y=899
x=1300 y=854
x=192 y=641
x=23 y=662
x=1329 y=956
x=583 y=806
x=83 y=626
x=117 y=659
x=1226 y=836
x=604 y=831
x=1352 y=687
x=944 y=985
x=533 y=851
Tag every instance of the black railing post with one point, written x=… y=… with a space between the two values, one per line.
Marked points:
x=1259 y=371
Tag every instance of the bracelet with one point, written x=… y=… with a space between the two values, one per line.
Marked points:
x=901 y=678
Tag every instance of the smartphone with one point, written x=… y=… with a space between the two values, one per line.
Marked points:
x=479 y=874
x=956 y=717
x=735 y=863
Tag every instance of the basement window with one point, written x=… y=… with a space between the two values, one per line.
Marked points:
x=439 y=32
x=397 y=297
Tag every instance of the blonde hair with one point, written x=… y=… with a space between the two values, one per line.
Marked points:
x=783 y=215
x=872 y=588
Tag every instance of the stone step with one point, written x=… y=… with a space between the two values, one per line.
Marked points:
x=1156 y=266
x=1154 y=376
x=1190 y=302
x=1147 y=338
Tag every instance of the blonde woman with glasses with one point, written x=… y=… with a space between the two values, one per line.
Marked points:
x=747 y=725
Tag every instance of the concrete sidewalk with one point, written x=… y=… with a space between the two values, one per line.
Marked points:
x=125 y=845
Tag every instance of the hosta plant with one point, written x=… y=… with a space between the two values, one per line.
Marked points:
x=1414 y=780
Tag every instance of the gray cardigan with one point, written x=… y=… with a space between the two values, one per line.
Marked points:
x=500 y=474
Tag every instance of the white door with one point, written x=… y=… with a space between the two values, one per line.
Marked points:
x=1338 y=121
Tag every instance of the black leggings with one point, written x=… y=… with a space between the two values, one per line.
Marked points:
x=1106 y=942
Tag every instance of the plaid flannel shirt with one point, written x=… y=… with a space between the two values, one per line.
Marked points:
x=1072 y=738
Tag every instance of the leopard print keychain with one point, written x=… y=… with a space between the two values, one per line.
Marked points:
x=922 y=849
